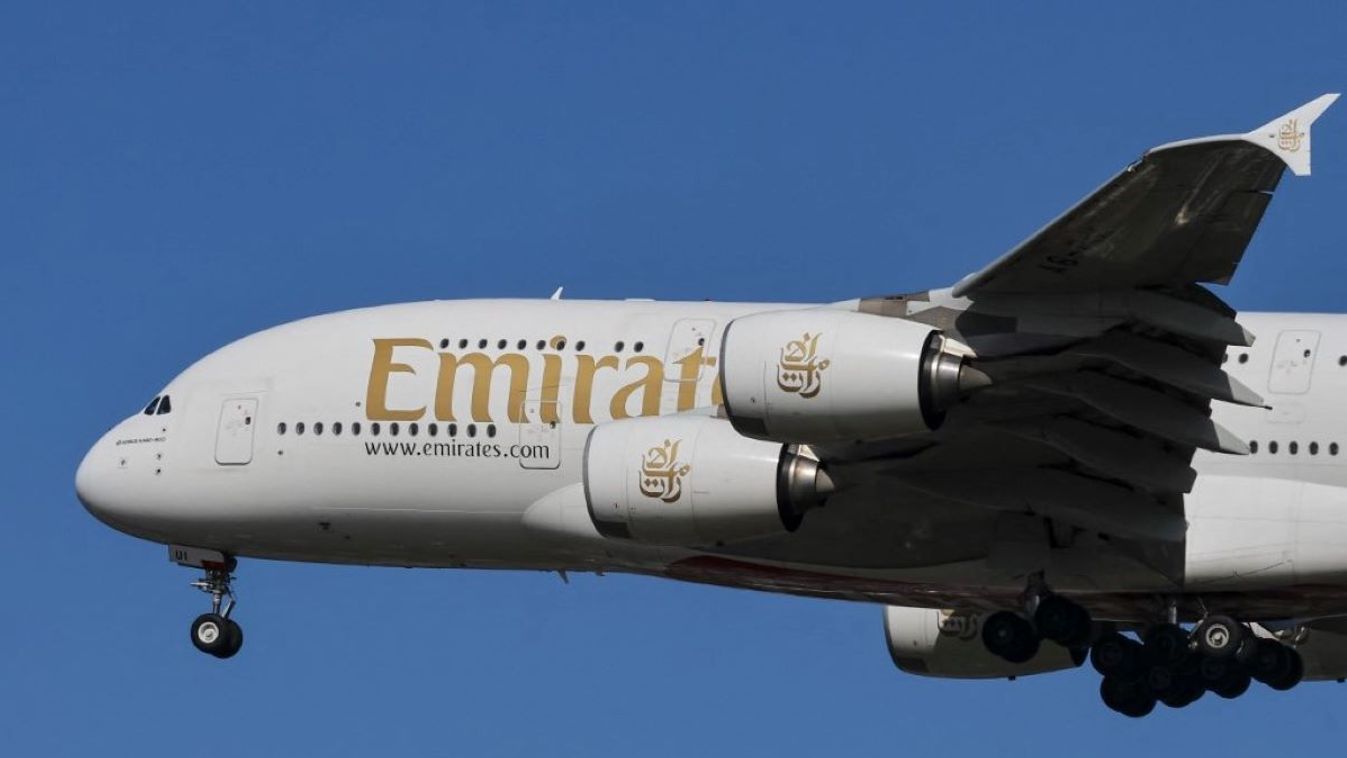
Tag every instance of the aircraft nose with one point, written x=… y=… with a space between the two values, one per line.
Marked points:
x=104 y=485
x=91 y=483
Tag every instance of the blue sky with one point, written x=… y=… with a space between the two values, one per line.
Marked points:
x=174 y=176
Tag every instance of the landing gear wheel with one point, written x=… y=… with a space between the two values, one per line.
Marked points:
x=1291 y=675
x=1268 y=660
x=1219 y=636
x=211 y=634
x=233 y=640
x=1116 y=656
x=1062 y=621
x=1010 y=637
x=1187 y=689
x=1166 y=644
x=1233 y=684
x=1128 y=698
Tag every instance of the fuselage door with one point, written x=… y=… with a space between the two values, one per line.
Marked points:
x=685 y=358
x=234 y=437
x=1293 y=362
x=540 y=435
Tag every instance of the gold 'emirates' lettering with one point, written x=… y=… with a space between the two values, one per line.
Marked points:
x=376 y=393
x=644 y=387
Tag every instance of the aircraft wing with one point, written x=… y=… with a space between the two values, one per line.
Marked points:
x=1182 y=213
x=1098 y=350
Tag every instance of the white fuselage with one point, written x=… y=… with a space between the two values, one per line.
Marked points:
x=482 y=410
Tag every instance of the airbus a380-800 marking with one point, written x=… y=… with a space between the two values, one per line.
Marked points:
x=1072 y=453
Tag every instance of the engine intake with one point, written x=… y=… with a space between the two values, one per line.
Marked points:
x=695 y=481
x=829 y=375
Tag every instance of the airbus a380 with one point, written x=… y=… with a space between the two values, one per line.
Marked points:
x=1078 y=452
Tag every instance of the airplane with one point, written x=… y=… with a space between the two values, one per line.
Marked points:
x=1079 y=452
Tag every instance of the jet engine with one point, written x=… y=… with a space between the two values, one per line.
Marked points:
x=948 y=644
x=829 y=375
x=695 y=481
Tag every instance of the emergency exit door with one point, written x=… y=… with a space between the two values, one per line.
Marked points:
x=234 y=437
x=1293 y=362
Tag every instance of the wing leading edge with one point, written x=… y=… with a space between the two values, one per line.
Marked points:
x=1183 y=213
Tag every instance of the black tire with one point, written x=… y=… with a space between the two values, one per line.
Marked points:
x=1116 y=656
x=1213 y=671
x=1128 y=698
x=1009 y=637
x=1268 y=660
x=1166 y=644
x=1062 y=621
x=1219 y=636
x=210 y=633
x=1292 y=674
x=1235 y=683
x=1188 y=690
x=234 y=640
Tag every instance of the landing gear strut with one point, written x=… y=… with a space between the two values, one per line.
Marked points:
x=214 y=633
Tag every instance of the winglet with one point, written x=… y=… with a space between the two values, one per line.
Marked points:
x=1288 y=136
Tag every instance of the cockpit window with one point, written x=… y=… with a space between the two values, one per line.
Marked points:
x=164 y=405
x=152 y=407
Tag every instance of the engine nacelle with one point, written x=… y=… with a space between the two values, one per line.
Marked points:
x=695 y=481
x=829 y=375
x=948 y=644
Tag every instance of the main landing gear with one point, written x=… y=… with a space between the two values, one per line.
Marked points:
x=1169 y=665
x=1175 y=667
x=214 y=633
x=1017 y=639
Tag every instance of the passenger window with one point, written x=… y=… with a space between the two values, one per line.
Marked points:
x=299 y=428
x=374 y=429
x=1314 y=448
x=1272 y=447
x=152 y=407
x=355 y=428
x=412 y=428
x=280 y=428
x=1253 y=447
x=432 y=429
x=336 y=428
x=317 y=427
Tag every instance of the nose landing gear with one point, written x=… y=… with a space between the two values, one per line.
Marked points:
x=214 y=633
